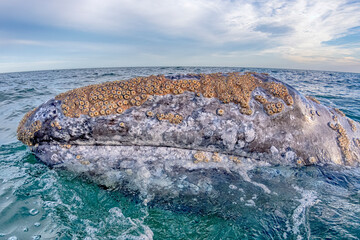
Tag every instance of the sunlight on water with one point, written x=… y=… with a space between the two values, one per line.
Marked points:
x=37 y=202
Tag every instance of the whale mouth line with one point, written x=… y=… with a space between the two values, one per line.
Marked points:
x=54 y=154
x=132 y=145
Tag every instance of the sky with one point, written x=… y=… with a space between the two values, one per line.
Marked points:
x=63 y=34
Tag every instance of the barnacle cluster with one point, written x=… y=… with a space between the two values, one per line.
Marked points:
x=68 y=146
x=26 y=134
x=280 y=91
x=246 y=111
x=21 y=127
x=172 y=118
x=343 y=141
x=116 y=97
x=260 y=99
x=56 y=125
x=215 y=157
x=352 y=125
x=313 y=99
x=200 y=157
x=270 y=107
x=273 y=107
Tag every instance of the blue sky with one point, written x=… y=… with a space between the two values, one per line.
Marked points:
x=302 y=34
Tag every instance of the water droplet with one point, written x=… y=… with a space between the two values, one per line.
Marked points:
x=34 y=211
x=37 y=224
x=36 y=237
x=13 y=238
x=25 y=229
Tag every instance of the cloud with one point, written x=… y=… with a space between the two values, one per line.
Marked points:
x=6 y=41
x=296 y=30
x=274 y=29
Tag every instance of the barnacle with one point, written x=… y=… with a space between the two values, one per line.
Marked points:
x=312 y=160
x=149 y=114
x=220 y=111
x=343 y=141
x=248 y=111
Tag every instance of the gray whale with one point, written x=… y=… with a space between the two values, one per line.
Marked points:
x=187 y=135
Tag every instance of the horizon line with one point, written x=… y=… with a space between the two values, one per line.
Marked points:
x=175 y=66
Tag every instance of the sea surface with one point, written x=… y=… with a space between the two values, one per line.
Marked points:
x=37 y=202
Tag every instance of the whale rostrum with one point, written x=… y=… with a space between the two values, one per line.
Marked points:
x=158 y=130
x=229 y=115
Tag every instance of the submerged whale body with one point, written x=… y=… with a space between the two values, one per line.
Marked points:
x=188 y=135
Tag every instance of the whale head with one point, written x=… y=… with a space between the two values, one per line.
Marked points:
x=187 y=132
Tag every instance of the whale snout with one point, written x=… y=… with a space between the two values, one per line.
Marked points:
x=27 y=128
x=31 y=128
x=250 y=116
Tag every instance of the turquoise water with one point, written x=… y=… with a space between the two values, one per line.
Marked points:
x=37 y=202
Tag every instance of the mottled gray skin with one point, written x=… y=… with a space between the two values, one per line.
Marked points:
x=157 y=157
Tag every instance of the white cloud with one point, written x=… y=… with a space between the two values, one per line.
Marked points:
x=7 y=41
x=295 y=30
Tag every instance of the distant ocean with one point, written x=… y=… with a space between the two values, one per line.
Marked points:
x=37 y=202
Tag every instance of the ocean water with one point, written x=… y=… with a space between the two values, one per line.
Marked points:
x=37 y=202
